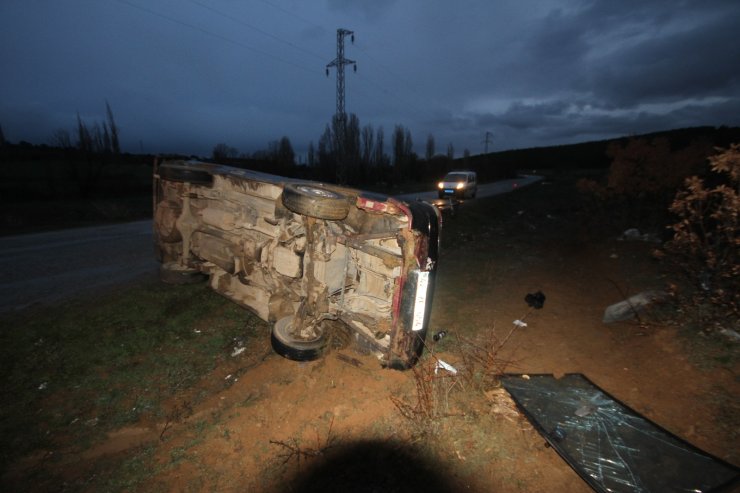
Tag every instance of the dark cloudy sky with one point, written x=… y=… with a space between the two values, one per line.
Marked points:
x=184 y=75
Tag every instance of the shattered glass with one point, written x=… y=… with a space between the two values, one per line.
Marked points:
x=609 y=445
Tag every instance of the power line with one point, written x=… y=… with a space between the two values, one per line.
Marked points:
x=371 y=82
x=385 y=91
x=292 y=14
x=255 y=28
x=216 y=35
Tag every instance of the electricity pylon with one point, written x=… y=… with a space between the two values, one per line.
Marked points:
x=488 y=140
x=339 y=62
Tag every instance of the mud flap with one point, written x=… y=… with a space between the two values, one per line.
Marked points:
x=611 y=446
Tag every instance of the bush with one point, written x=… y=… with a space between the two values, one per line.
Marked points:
x=705 y=244
x=643 y=178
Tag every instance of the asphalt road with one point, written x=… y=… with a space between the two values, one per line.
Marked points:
x=53 y=266
x=484 y=190
x=50 y=267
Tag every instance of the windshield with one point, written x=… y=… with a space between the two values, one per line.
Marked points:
x=456 y=177
x=611 y=446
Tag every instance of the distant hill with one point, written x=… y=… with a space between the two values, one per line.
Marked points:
x=586 y=155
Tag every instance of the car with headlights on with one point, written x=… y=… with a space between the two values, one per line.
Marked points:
x=309 y=258
x=459 y=184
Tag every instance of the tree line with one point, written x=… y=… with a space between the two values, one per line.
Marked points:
x=82 y=162
x=349 y=153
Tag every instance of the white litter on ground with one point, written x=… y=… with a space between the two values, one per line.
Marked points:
x=445 y=366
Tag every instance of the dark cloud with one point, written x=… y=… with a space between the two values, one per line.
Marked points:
x=535 y=72
x=372 y=10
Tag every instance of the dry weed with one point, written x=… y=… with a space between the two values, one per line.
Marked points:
x=482 y=362
x=292 y=448
x=431 y=400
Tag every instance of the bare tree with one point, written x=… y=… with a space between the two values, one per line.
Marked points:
x=222 y=151
x=113 y=128
x=430 y=148
x=398 y=146
x=352 y=138
x=450 y=152
x=84 y=138
x=285 y=155
x=368 y=138
x=311 y=155
x=403 y=154
x=89 y=168
x=2 y=137
x=408 y=145
x=379 y=157
x=61 y=138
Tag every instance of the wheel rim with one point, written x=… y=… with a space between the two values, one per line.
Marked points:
x=298 y=337
x=317 y=192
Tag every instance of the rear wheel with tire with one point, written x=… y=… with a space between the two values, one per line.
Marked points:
x=290 y=346
x=315 y=201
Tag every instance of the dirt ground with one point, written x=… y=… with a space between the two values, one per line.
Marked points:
x=331 y=425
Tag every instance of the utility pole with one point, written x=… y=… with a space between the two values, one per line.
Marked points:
x=339 y=62
x=488 y=140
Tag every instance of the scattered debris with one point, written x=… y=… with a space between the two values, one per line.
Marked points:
x=43 y=385
x=632 y=306
x=237 y=351
x=634 y=234
x=519 y=323
x=445 y=366
x=535 y=300
x=439 y=335
x=730 y=334
x=349 y=359
x=502 y=404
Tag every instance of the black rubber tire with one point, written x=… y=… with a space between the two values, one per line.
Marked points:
x=294 y=349
x=315 y=201
x=185 y=174
x=173 y=273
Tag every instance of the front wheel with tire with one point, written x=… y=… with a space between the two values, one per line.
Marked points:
x=315 y=201
x=289 y=345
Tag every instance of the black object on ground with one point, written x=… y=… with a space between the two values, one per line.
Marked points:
x=535 y=300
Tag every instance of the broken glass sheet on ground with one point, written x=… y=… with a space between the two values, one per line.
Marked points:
x=611 y=446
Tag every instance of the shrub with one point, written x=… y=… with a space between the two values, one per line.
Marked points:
x=643 y=178
x=705 y=244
